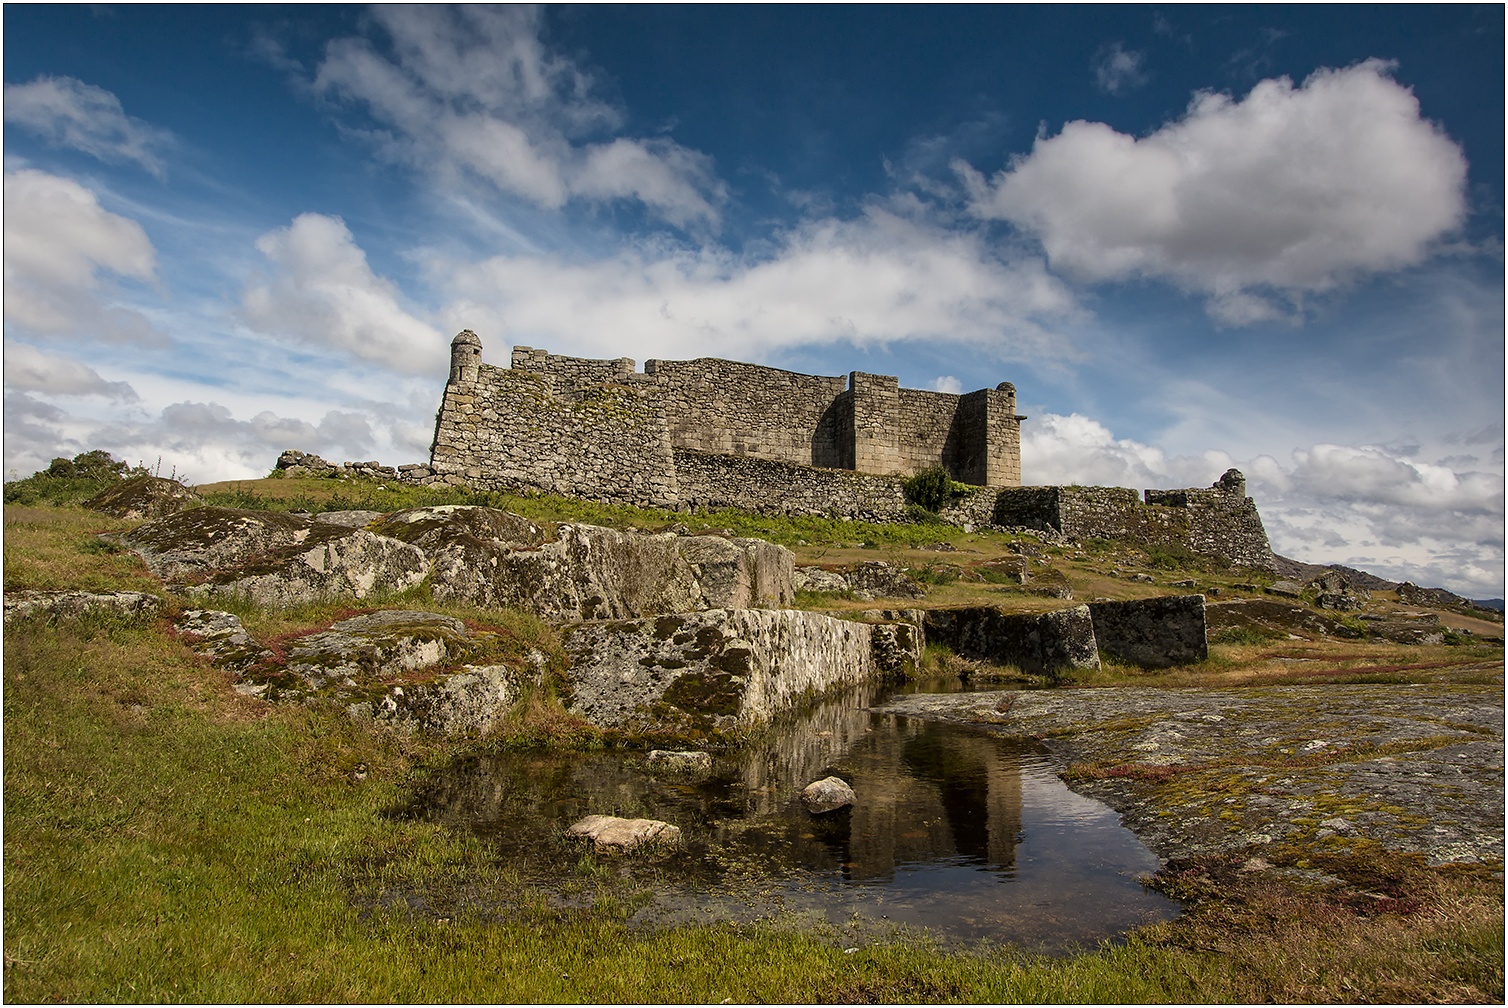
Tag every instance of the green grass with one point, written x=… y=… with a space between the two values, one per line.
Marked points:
x=169 y=840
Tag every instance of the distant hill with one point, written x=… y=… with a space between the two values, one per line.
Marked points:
x=1297 y=569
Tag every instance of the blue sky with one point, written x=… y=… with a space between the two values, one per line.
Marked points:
x=1192 y=237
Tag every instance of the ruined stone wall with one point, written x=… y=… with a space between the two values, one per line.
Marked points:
x=710 y=480
x=1220 y=521
x=510 y=430
x=733 y=408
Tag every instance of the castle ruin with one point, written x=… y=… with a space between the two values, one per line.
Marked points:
x=717 y=433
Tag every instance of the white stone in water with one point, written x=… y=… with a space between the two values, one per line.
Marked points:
x=614 y=834
x=827 y=794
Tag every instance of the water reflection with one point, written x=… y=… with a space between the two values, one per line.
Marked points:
x=966 y=833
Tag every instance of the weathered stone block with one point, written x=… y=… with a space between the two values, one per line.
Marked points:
x=1152 y=633
x=1036 y=643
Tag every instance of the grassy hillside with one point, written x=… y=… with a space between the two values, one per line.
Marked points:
x=167 y=839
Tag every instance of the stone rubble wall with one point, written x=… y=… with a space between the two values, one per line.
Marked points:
x=1219 y=521
x=760 y=484
x=297 y=463
x=517 y=430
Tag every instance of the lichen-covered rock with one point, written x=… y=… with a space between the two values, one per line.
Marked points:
x=350 y=519
x=714 y=672
x=1335 y=591
x=815 y=579
x=378 y=644
x=469 y=701
x=611 y=834
x=1284 y=618
x=587 y=572
x=827 y=794
x=76 y=604
x=143 y=497
x=270 y=558
x=220 y=637
x=1154 y=632
x=1037 y=643
x=884 y=581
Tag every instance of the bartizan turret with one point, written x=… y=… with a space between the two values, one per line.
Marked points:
x=465 y=356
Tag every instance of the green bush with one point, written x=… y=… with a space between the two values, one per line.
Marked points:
x=932 y=488
x=68 y=481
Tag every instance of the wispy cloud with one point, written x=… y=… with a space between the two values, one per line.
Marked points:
x=1252 y=203
x=67 y=112
x=472 y=95
x=879 y=279
x=1118 y=70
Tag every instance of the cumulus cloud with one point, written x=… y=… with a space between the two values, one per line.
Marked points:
x=1366 y=506
x=322 y=292
x=874 y=280
x=1118 y=70
x=1252 y=202
x=205 y=442
x=67 y=112
x=32 y=370
x=58 y=242
x=472 y=93
x=946 y=383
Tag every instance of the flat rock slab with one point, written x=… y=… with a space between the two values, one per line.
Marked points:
x=615 y=835
x=1195 y=771
x=77 y=604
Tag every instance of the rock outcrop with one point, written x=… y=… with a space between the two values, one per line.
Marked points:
x=1153 y=633
x=473 y=555
x=827 y=795
x=143 y=497
x=1051 y=643
x=79 y=604
x=719 y=671
x=614 y=835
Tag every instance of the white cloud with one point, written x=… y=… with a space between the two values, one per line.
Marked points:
x=472 y=94
x=323 y=293
x=947 y=383
x=1252 y=202
x=1117 y=70
x=879 y=279
x=58 y=240
x=32 y=370
x=70 y=113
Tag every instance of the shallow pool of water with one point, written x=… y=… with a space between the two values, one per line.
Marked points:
x=967 y=834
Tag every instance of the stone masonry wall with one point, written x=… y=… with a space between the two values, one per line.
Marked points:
x=1219 y=521
x=743 y=409
x=509 y=430
x=866 y=423
x=708 y=480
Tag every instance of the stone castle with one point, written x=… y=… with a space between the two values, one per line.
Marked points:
x=719 y=433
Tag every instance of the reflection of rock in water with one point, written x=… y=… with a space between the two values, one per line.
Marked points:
x=924 y=795
x=926 y=792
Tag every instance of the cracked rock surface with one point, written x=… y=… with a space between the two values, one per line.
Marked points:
x=1200 y=771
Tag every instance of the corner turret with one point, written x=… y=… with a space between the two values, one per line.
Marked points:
x=465 y=356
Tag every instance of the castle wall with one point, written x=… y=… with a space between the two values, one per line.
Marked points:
x=510 y=430
x=732 y=408
x=572 y=372
x=708 y=480
x=1219 y=521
